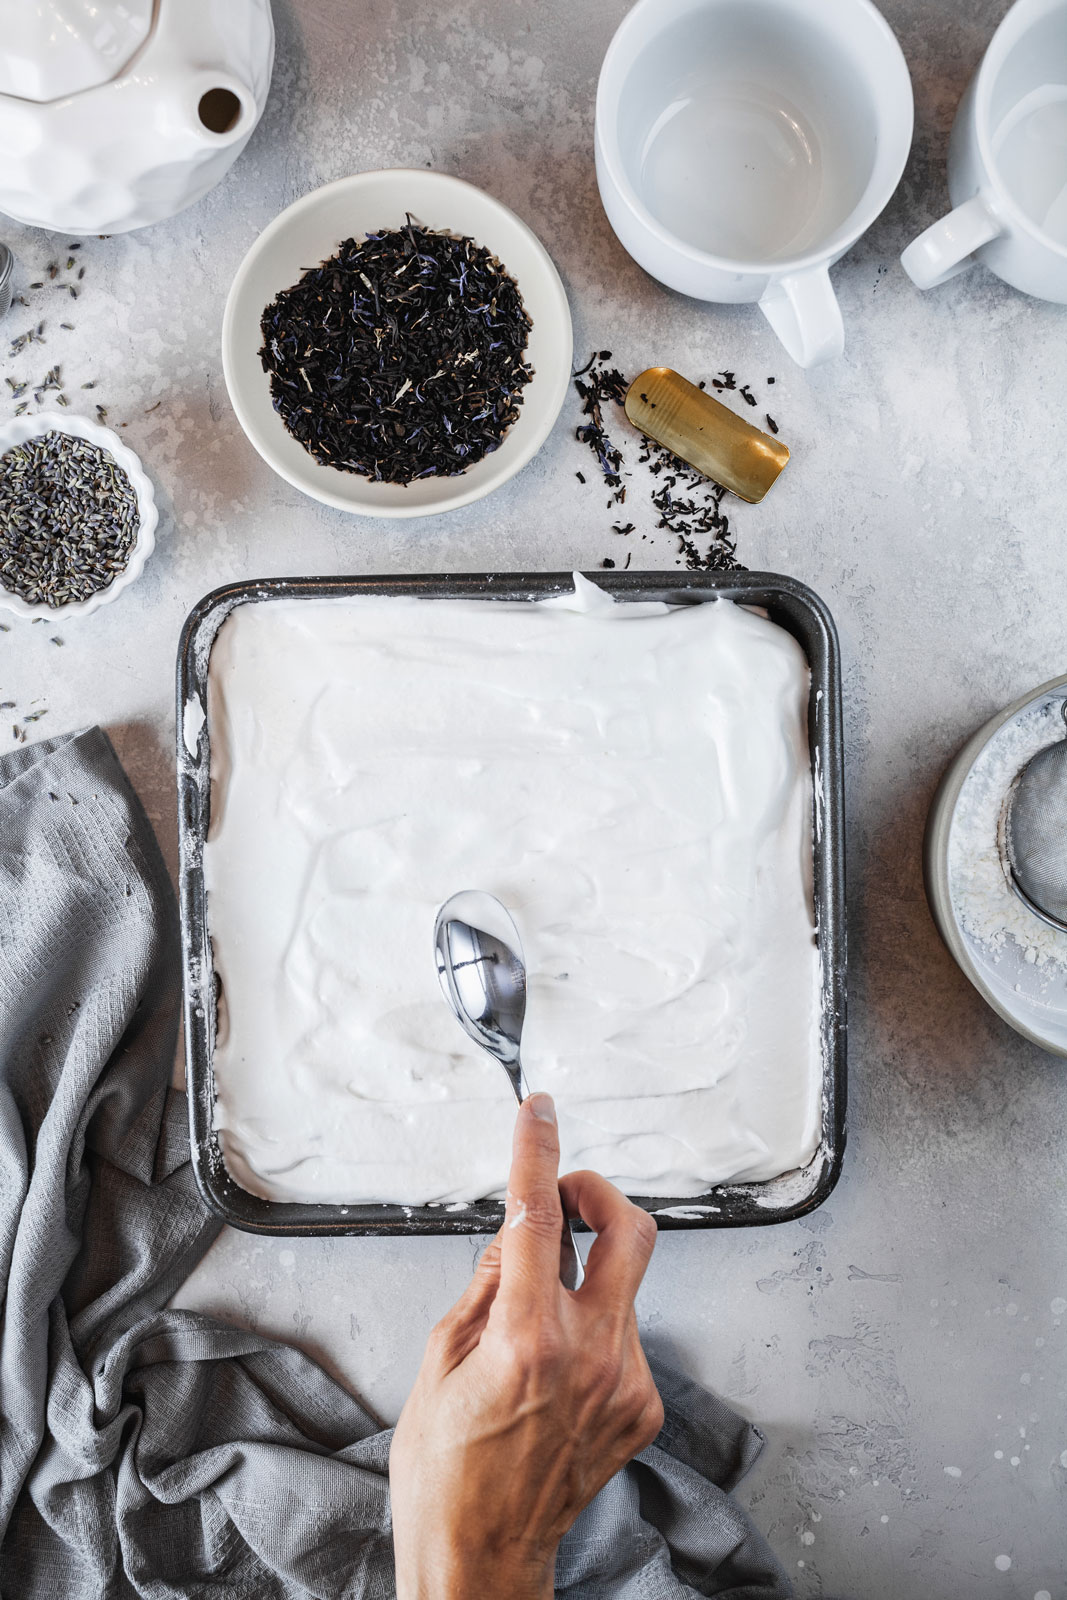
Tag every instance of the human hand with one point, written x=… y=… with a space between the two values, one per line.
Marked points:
x=530 y=1396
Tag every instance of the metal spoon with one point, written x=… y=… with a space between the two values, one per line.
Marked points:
x=7 y=263
x=1035 y=832
x=482 y=973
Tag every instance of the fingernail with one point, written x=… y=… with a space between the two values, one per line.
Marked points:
x=543 y=1107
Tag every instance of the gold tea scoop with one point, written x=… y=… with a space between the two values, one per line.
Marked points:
x=711 y=437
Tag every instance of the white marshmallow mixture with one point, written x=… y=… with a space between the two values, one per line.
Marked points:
x=632 y=781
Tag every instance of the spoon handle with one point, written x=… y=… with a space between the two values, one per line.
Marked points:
x=571 y=1270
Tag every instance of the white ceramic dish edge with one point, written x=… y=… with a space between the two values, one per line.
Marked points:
x=17 y=432
x=392 y=192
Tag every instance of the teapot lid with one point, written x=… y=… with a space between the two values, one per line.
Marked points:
x=53 y=48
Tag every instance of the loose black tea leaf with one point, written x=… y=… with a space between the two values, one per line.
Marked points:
x=771 y=423
x=68 y=519
x=401 y=357
x=687 y=503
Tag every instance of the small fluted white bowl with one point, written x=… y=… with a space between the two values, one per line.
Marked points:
x=311 y=231
x=17 y=431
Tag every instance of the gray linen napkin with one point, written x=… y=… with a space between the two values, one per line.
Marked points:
x=160 y=1453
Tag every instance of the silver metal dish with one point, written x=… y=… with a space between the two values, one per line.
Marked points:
x=787 y=602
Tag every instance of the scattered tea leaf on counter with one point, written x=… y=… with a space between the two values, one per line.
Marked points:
x=687 y=505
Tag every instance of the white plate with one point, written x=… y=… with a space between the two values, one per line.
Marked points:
x=18 y=431
x=1030 y=994
x=309 y=232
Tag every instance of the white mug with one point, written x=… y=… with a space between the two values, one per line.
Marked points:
x=742 y=146
x=1007 y=163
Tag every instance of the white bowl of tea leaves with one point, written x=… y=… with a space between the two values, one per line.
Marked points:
x=397 y=344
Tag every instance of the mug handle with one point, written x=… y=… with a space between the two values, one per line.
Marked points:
x=948 y=247
x=802 y=309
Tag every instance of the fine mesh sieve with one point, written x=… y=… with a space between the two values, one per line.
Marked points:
x=1035 y=833
x=7 y=264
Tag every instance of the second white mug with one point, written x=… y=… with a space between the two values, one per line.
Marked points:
x=742 y=146
x=1007 y=163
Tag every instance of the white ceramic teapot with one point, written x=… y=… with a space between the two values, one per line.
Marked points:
x=117 y=113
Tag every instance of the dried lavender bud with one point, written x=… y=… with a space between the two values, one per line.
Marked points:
x=68 y=519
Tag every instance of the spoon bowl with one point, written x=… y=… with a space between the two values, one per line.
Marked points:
x=483 y=975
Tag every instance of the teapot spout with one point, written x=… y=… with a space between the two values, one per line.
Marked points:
x=218 y=109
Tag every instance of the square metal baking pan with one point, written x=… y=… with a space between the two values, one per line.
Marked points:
x=787 y=602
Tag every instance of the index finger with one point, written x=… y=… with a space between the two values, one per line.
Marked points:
x=625 y=1238
x=529 y=1245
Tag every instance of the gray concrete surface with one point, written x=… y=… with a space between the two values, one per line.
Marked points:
x=905 y=1346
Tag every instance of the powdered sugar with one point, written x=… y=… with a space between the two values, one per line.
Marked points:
x=986 y=906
